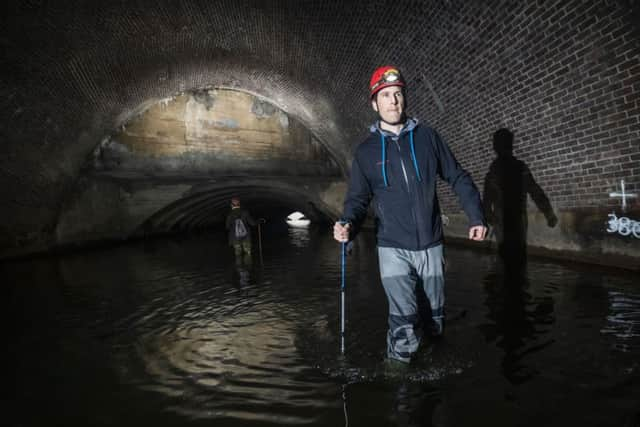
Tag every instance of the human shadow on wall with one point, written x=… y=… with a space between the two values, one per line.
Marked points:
x=506 y=186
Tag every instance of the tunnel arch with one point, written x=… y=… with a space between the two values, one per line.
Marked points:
x=295 y=96
x=205 y=208
x=176 y=163
x=562 y=76
x=200 y=120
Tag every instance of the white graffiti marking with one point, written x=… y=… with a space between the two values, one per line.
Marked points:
x=623 y=226
x=623 y=195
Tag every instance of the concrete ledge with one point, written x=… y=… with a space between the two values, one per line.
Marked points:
x=581 y=236
x=620 y=262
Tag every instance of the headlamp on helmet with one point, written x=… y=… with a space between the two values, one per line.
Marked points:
x=384 y=77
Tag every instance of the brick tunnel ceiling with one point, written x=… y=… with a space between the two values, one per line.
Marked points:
x=556 y=73
x=222 y=135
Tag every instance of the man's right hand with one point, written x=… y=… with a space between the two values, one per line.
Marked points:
x=341 y=232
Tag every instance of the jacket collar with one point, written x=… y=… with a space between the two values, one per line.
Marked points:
x=409 y=125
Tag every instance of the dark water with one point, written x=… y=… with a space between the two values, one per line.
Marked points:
x=174 y=333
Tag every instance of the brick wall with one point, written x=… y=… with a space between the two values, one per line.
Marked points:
x=563 y=76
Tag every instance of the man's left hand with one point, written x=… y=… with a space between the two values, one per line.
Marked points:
x=477 y=232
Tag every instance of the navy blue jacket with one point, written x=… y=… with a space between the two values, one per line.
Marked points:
x=404 y=191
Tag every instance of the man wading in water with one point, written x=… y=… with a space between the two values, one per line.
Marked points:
x=396 y=167
x=238 y=224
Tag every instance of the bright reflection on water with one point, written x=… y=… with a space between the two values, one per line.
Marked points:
x=176 y=332
x=623 y=320
x=298 y=237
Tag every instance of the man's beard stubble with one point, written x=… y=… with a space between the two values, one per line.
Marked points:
x=401 y=120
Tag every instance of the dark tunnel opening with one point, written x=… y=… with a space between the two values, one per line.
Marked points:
x=207 y=211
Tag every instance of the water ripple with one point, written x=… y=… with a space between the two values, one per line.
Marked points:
x=623 y=320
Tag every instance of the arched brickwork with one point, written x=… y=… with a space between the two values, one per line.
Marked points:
x=563 y=76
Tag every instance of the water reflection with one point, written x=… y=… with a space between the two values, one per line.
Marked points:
x=227 y=352
x=519 y=320
x=415 y=406
x=399 y=404
x=298 y=237
x=236 y=356
x=242 y=271
x=623 y=319
x=185 y=336
x=243 y=275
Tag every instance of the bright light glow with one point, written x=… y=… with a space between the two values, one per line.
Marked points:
x=296 y=216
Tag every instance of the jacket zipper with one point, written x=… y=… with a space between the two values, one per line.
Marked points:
x=404 y=171
x=406 y=180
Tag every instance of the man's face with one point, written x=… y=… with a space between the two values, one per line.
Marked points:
x=389 y=103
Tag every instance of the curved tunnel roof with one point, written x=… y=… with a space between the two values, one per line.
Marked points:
x=554 y=72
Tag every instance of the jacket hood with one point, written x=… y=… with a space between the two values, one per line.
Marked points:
x=409 y=125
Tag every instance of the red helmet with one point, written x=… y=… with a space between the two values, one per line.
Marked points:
x=384 y=77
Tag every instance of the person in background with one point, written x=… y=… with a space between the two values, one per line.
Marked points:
x=238 y=223
x=397 y=167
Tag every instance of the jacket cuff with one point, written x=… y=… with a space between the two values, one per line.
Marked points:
x=477 y=222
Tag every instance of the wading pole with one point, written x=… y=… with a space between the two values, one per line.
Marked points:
x=343 y=256
x=343 y=249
